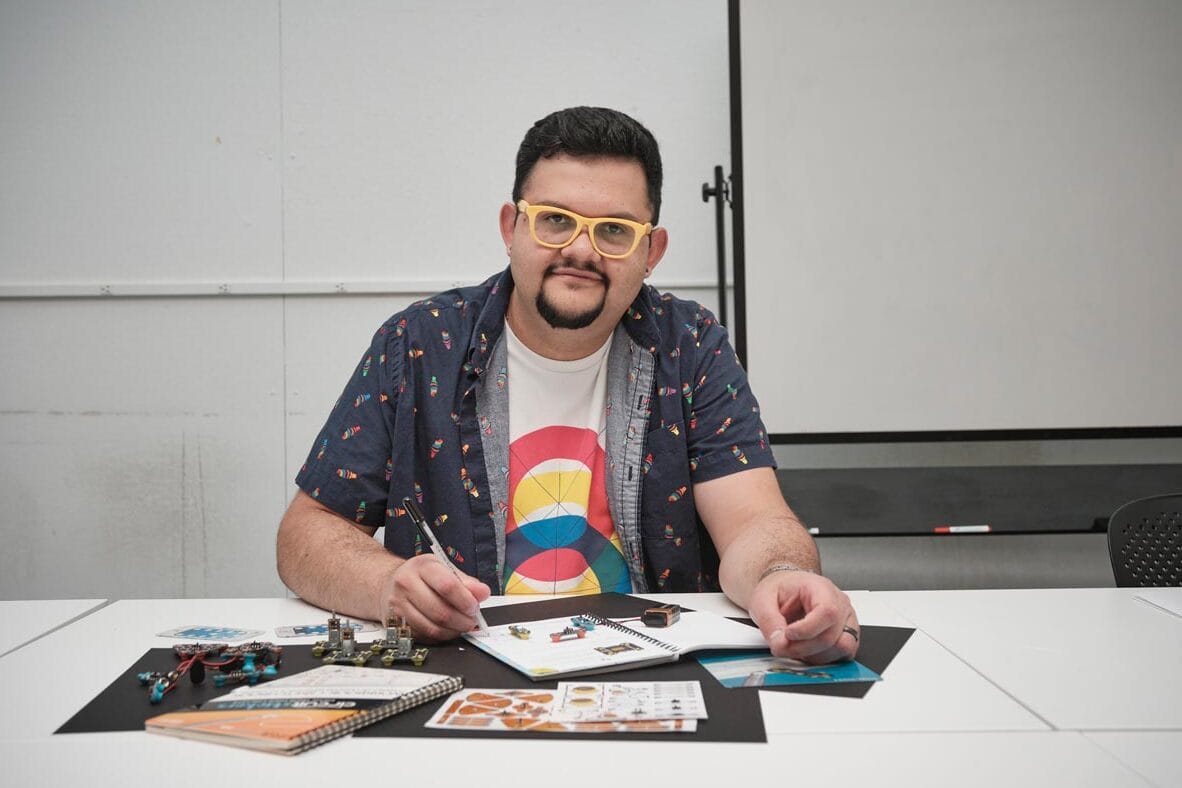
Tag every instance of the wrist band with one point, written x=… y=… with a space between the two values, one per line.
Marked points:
x=782 y=567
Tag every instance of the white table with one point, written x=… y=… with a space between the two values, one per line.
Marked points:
x=915 y=760
x=1096 y=660
x=61 y=672
x=934 y=721
x=1156 y=755
x=1080 y=659
x=22 y=621
x=925 y=690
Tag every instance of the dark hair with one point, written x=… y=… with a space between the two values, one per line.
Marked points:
x=591 y=131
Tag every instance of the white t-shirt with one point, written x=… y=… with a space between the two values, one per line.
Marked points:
x=559 y=535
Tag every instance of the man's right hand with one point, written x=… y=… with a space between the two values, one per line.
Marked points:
x=436 y=602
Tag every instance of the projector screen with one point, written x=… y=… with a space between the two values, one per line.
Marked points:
x=961 y=215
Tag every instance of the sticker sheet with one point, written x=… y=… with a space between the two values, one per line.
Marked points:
x=585 y=701
x=321 y=630
x=577 y=707
x=210 y=632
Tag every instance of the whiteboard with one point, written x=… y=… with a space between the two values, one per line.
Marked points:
x=402 y=121
x=192 y=193
x=173 y=144
x=962 y=215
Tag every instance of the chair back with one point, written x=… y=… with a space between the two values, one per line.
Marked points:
x=1145 y=541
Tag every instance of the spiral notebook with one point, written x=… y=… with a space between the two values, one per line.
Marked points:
x=294 y=713
x=586 y=644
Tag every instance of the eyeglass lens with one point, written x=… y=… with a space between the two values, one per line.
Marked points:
x=559 y=228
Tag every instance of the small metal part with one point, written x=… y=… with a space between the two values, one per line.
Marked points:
x=661 y=615
x=334 y=631
x=582 y=622
x=398 y=645
x=568 y=633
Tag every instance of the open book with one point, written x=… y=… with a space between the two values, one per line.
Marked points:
x=587 y=643
x=296 y=712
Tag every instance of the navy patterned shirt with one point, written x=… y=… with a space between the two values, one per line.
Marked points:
x=415 y=420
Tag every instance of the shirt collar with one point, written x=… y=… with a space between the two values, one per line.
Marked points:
x=638 y=321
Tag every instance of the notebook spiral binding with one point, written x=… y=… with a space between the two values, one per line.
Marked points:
x=370 y=716
x=632 y=633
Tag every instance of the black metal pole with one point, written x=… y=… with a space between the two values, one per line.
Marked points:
x=719 y=193
x=739 y=329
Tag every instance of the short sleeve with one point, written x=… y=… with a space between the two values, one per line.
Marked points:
x=726 y=432
x=348 y=468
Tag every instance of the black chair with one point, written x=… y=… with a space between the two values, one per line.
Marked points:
x=1145 y=541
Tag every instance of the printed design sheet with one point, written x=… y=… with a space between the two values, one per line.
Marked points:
x=578 y=707
x=210 y=633
x=584 y=701
x=761 y=669
x=321 y=630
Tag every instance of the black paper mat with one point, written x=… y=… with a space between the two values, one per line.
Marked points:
x=735 y=714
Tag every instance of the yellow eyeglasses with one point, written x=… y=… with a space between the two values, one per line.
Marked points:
x=556 y=228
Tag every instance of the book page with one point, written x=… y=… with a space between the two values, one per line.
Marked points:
x=555 y=646
x=701 y=630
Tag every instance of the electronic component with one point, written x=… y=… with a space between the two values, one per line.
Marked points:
x=346 y=652
x=333 y=644
x=582 y=622
x=249 y=663
x=568 y=633
x=518 y=631
x=398 y=645
x=661 y=615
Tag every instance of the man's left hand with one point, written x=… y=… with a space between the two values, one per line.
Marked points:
x=806 y=617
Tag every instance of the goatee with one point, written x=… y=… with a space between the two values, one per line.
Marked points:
x=557 y=319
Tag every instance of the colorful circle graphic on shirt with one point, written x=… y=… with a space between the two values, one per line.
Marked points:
x=559 y=536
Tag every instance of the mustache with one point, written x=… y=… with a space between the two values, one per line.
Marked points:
x=553 y=269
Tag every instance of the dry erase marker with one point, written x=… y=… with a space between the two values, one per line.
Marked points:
x=961 y=529
x=416 y=517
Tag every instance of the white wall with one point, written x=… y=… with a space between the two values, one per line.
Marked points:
x=963 y=215
x=187 y=188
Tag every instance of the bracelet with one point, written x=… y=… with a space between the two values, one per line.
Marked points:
x=782 y=567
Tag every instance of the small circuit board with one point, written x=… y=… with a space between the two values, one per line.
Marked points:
x=248 y=663
x=397 y=646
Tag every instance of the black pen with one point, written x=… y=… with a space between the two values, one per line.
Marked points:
x=416 y=517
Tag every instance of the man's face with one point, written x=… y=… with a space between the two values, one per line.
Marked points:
x=575 y=287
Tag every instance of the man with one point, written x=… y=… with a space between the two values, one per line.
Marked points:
x=565 y=427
